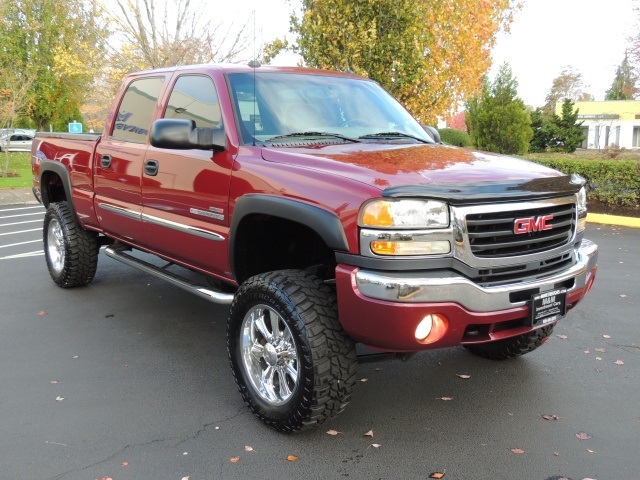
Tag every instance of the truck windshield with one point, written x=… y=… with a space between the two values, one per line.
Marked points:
x=275 y=105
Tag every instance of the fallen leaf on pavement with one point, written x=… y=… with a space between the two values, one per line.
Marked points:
x=446 y=399
x=556 y=454
x=583 y=436
x=247 y=448
x=517 y=451
x=42 y=313
x=551 y=417
x=623 y=296
x=375 y=445
x=363 y=380
x=185 y=478
x=234 y=459
x=368 y=434
x=619 y=362
x=464 y=377
x=606 y=336
x=59 y=399
x=437 y=475
x=292 y=458
x=125 y=464
x=587 y=352
x=333 y=432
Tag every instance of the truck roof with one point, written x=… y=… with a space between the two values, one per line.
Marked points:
x=244 y=68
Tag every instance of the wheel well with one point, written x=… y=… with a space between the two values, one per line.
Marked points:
x=52 y=188
x=266 y=243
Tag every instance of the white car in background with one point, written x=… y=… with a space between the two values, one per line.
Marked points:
x=17 y=141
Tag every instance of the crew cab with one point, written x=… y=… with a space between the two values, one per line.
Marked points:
x=321 y=211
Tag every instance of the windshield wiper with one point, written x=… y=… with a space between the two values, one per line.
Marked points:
x=393 y=136
x=313 y=134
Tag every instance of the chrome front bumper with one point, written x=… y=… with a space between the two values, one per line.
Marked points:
x=419 y=287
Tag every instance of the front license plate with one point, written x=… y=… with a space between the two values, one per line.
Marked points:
x=547 y=307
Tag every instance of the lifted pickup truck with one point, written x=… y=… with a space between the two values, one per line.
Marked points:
x=321 y=211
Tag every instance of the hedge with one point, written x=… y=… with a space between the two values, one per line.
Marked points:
x=613 y=182
x=452 y=136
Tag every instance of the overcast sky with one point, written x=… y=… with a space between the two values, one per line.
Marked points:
x=546 y=35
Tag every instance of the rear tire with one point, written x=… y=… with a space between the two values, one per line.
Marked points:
x=70 y=250
x=512 y=347
x=293 y=364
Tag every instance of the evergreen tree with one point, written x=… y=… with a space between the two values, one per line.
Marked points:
x=558 y=133
x=544 y=131
x=569 y=135
x=624 y=86
x=498 y=119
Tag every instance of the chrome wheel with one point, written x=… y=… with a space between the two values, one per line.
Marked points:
x=55 y=246
x=269 y=355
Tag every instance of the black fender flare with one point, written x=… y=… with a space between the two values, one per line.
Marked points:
x=327 y=225
x=62 y=172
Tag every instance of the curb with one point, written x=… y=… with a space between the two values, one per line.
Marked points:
x=613 y=220
x=17 y=196
x=24 y=196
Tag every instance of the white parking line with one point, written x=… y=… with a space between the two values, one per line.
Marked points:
x=19 y=223
x=20 y=208
x=21 y=231
x=21 y=243
x=25 y=215
x=37 y=253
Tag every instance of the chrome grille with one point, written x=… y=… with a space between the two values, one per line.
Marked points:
x=491 y=235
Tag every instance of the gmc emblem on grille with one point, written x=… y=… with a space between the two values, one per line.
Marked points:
x=532 y=224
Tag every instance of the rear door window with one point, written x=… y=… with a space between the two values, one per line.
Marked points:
x=136 y=110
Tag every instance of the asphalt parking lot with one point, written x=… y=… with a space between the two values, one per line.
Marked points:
x=128 y=378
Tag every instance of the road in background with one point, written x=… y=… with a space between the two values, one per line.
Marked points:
x=128 y=378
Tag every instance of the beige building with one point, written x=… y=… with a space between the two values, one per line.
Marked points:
x=608 y=123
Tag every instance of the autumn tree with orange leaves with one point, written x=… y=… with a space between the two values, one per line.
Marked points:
x=430 y=55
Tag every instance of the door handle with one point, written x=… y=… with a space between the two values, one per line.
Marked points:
x=151 y=167
x=105 y=161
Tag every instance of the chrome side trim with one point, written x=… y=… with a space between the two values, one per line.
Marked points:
x=180 y=227
x=125 y=212
x=446 y=286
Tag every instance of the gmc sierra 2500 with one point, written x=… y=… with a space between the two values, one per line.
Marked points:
x=322 y=212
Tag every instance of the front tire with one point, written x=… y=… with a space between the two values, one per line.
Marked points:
x=293 y=364
x=70 y=250
x=512 y=347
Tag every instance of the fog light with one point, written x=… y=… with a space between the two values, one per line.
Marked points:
x=424 y=328
x=431 y=328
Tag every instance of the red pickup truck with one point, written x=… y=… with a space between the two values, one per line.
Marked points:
x=315 y=206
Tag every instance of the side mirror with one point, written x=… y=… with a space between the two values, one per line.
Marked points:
x=181 y=134
x=432 y=132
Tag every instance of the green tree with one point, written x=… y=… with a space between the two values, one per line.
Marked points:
x=624 y=86
x=569 y=135
x=56 y=44
x=560 y=133
x=544 y=131
x=430 y=55
x=498 y=119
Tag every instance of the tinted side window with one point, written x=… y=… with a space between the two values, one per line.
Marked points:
x=136 y=109
x=194 y=98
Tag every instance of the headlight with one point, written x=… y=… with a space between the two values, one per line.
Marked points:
x=582 y=209
x=404 y=213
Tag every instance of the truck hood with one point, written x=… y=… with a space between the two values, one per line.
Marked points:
x=429 y=170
